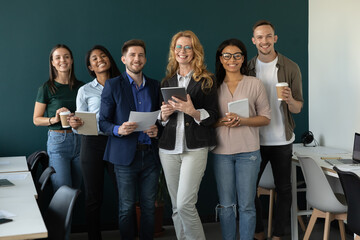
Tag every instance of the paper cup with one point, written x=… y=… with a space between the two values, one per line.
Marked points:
x=63 y=118
x=279 y=88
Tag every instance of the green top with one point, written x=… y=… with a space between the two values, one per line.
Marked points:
x=63 y=97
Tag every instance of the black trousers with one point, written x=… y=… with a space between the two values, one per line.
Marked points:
x=280 y=159
x=92 y=165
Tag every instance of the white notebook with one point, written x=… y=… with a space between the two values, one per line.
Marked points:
x=240 y=107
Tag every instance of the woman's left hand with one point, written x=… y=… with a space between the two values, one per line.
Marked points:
x=183 y=106
x=233 y=120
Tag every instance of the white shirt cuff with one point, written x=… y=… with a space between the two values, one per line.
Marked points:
x=203 y=115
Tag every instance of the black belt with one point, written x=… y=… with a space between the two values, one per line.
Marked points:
x=143 y=147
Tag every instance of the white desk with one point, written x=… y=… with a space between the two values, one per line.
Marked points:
x=24 y=185
x=28 y=222
x=316 y=153
x=13 y=164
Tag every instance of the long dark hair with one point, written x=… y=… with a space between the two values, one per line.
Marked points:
x=113 y=70
x=53 y=72
x=219 y=68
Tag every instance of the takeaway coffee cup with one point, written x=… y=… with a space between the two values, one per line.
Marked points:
x=279 y=88
x=63 y=118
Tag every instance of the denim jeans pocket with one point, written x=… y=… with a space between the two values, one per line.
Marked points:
x=56 y=138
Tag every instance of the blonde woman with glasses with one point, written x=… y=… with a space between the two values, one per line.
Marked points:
x=188 y=133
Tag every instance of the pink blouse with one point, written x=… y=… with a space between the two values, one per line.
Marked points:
x=242 y=138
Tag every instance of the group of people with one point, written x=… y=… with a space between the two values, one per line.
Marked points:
x=186 y=130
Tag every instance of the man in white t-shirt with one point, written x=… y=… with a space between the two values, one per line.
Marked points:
x=276 y=138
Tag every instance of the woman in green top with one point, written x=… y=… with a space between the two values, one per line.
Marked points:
x=57 y=95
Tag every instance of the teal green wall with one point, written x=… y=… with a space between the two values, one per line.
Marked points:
x=29 y=29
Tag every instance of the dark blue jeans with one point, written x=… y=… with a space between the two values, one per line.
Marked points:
x=280 y=159
x=142 y=176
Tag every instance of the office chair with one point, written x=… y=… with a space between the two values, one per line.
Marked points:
x=351 y=186
x=44 y=192
x=267 y=187
x=33 y=162
x=325 y=203
x=59 y=214
x=45 y=177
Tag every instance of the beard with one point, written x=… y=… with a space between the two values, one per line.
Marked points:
x=133 y=70
x=268 y=52
x=265 y=53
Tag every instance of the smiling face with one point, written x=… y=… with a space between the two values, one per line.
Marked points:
x=264 y=38
x=232 y=65
x=134 y=59
x=99 y=61
x=184 y=53
x=61 y=60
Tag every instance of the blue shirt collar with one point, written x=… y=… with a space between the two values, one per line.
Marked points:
x=132 y=80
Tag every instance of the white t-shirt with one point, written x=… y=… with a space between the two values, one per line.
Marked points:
x=274 y=133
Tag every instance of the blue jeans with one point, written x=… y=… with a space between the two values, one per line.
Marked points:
x=64 y=157
x=236 y=177
x=142 y=175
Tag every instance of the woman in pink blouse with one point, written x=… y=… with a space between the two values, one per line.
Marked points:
x=237 y=155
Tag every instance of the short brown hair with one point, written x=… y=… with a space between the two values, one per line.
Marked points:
x=261 y=23
x=132 y=43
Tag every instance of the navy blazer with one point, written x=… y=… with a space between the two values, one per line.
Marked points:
x=117 y=101
x=197 y=135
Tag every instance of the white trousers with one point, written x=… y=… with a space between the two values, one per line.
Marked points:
x=183 y=173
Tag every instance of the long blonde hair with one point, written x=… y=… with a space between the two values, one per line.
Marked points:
x=197 y=63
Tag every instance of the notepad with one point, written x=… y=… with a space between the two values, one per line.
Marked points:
x=90 y=124
x=240 y=107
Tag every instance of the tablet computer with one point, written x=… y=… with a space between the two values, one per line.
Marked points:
x=169 y=92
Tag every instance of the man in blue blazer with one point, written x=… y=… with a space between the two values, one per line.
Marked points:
x=134 y=154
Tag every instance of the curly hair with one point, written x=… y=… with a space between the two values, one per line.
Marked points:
x=197 y=63
x=113 y=70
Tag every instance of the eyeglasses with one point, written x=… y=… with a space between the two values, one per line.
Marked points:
x=227 y=56
x=186 y=48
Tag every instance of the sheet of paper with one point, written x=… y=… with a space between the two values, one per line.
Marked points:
x=14 y=176
x=90 y=125
x=5 y=163
x=318 y=151
x=240 y=107
x=144 y=120
x=6 y=214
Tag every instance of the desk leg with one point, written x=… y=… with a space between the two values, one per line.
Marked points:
x=294 y=210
